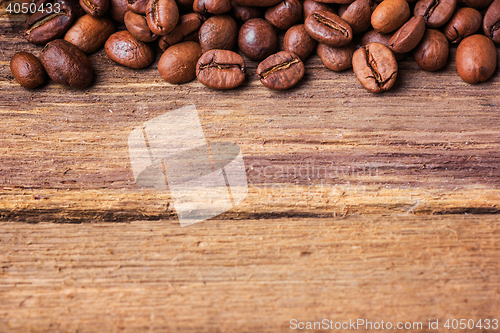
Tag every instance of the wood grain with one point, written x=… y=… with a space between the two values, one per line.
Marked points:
x=247 y=275
x=379 y=207
x=326 y=147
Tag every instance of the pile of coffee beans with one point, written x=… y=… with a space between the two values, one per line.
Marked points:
x=199 y=39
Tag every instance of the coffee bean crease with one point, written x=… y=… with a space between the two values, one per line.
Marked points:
x=217 y=65
x=372 y=64
x=42 y=22
x=431 y=9
x=277 y=68
x=90 y=5
x=330 y=24
x=156 y=14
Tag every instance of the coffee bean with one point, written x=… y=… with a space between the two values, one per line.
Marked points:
x=257 y=3
x=218 y=32
x=221 y=69
x=311 y=6
x=66 y=64
x=178 y=62
x=162 y=16
x=336 y=58
x=47 y=25
x=408 y=36
x=257 y=39
x=281 y=71
x=491 y=21
x=138 y=27
x=375 y=67
x=138 y=6
x=477 y=4
x=431 y=54
x=212 y=6
x=90 y=33
x=465 y=22
x=390 y=15
x=374 y=36
x=27 y=70
x=117 y=9
x=328 y=28
x=285 y=14
x=476 y=58
x=186 y=30
x=337 y=2
x=244 y=13
x=95 y=7
x=435 y=12
x=124 y=49
x=357 y=15
x=298 y=41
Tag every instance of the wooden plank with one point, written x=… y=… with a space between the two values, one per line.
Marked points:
x=247 y=275
x=325 y=148
x=324 y=161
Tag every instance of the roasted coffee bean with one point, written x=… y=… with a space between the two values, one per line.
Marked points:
x=212 y=6
x=328 y=28
x=186 y=30
x=491 y=22
x=27 y=70
x=311 y=6
x=390 y=15
x=435 y=12
x=244 y=13
x=476 y=58
x=124 y=49
x=281 y=71
x=374 y=36
x=90 y=33
x=221 y=69
x=298 y=41
x=218 y=32
x=375 y=67
x=408 y=36
x=358 y=15
x=138 y=27
x=117 y=9
x=338 y=2
x=257 y=39
x=257 y=3
x=95 y=7
x=138 y=6
x=162 y=16
x=336 y=58
x=431 y=53
x=47 y=25
x=178 y=62
x=66 y=64
x=477 y=4
x=465 y=22
x=285 y=14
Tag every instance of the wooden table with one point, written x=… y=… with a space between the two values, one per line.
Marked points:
x=360 y=206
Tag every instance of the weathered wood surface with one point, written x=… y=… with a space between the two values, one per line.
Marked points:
x=325 y=148
x=325 y=163
x=247 y=275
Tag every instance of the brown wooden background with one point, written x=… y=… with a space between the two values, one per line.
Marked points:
x=381 y=207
